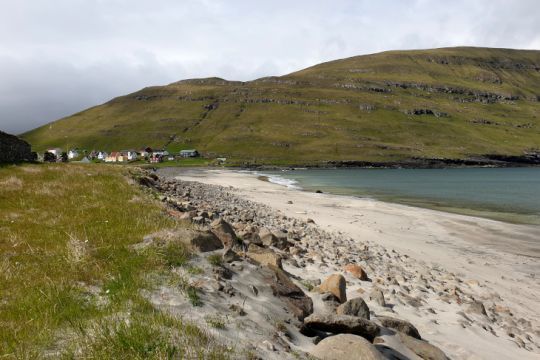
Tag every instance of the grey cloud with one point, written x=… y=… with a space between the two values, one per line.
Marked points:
x=59 y=57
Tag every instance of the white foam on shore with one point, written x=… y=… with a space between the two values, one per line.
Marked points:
x=278 y=180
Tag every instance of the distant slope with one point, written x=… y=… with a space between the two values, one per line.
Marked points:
x=456 y=103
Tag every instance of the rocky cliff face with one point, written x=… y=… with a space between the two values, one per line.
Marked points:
x=13 y=149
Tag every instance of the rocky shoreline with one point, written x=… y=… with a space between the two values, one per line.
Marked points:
x=289 y=288
x=490 y=160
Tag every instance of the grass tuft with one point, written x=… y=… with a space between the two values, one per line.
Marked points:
x=215 y=260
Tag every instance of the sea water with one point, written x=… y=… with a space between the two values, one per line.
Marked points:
x=508 y=194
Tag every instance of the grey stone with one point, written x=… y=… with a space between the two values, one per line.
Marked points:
x=224 y=231
x=342 y=324
x=354 y=307
x=300 y=304
x=400 y=325
x=377 y=296
x=422 y=348
x=346 y=347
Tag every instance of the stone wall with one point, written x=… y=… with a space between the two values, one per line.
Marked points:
x=13 y=149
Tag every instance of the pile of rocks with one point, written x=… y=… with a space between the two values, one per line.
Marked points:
x=312 y=271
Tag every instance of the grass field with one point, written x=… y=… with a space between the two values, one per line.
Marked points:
x=70 y=286
x=482 y=101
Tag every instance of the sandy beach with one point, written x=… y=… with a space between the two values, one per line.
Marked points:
x=498 y=262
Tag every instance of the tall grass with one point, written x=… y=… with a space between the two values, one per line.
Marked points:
x=67 y=271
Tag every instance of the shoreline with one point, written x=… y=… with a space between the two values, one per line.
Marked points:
x=467 y=209
x=499 y=259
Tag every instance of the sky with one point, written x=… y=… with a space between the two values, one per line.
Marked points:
x=58 y=57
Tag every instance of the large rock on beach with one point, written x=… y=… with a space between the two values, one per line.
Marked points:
x=354 y=307
x=298 y=302
x=357 y=271
x=269 y=238
x=341 y=324
x=346 y=347
x=264 y=256
x=198 y=240
x=224 y=231
x=399 y=325
x=336 y=285
x=201 y=241
x=377 y=295
x=422 y=348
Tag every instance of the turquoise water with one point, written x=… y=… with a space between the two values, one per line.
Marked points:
x=510 y=194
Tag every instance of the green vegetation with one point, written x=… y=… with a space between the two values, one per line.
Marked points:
x=309 y=286
x=215 y=260
x=216 y=321
x=70 y=282
x=478 y=101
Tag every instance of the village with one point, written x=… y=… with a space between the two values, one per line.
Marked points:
x=145 y=154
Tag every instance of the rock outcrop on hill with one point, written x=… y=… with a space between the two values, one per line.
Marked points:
x=13 y=149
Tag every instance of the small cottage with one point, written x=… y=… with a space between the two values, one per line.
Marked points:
x=189 y=153
x=155 y=158
x=130 y=155
x=73 y=153
x=116 y=156
x=55 y=151
x=145 y=152
x=102 y=155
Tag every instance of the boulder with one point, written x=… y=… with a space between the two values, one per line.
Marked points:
x=377 y=295
x=336 y=285
x=269 y=238
x=422 y=348
x=298 y=302
x=201 y=241
x=229 y=255
x=330 y=302
x=357 y=271
x=400 y=325
x=263 y=256
x=224 y=231
x=342 y=324
x=354 y=307
x=346 y=347
x=198 y=240
x=476 y=307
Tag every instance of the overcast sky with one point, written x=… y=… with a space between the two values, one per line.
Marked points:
x=60 y=56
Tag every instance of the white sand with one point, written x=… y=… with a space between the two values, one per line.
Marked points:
x=504 y=258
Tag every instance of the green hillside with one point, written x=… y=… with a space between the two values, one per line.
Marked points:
x=454 y=103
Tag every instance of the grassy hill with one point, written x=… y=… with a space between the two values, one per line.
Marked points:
x=454 y=103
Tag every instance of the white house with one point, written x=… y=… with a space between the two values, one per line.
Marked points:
x=131 y=155
x=189 y=153
x=55 y=151
x=102 y=155
x=160 y=152
x=73 y=153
